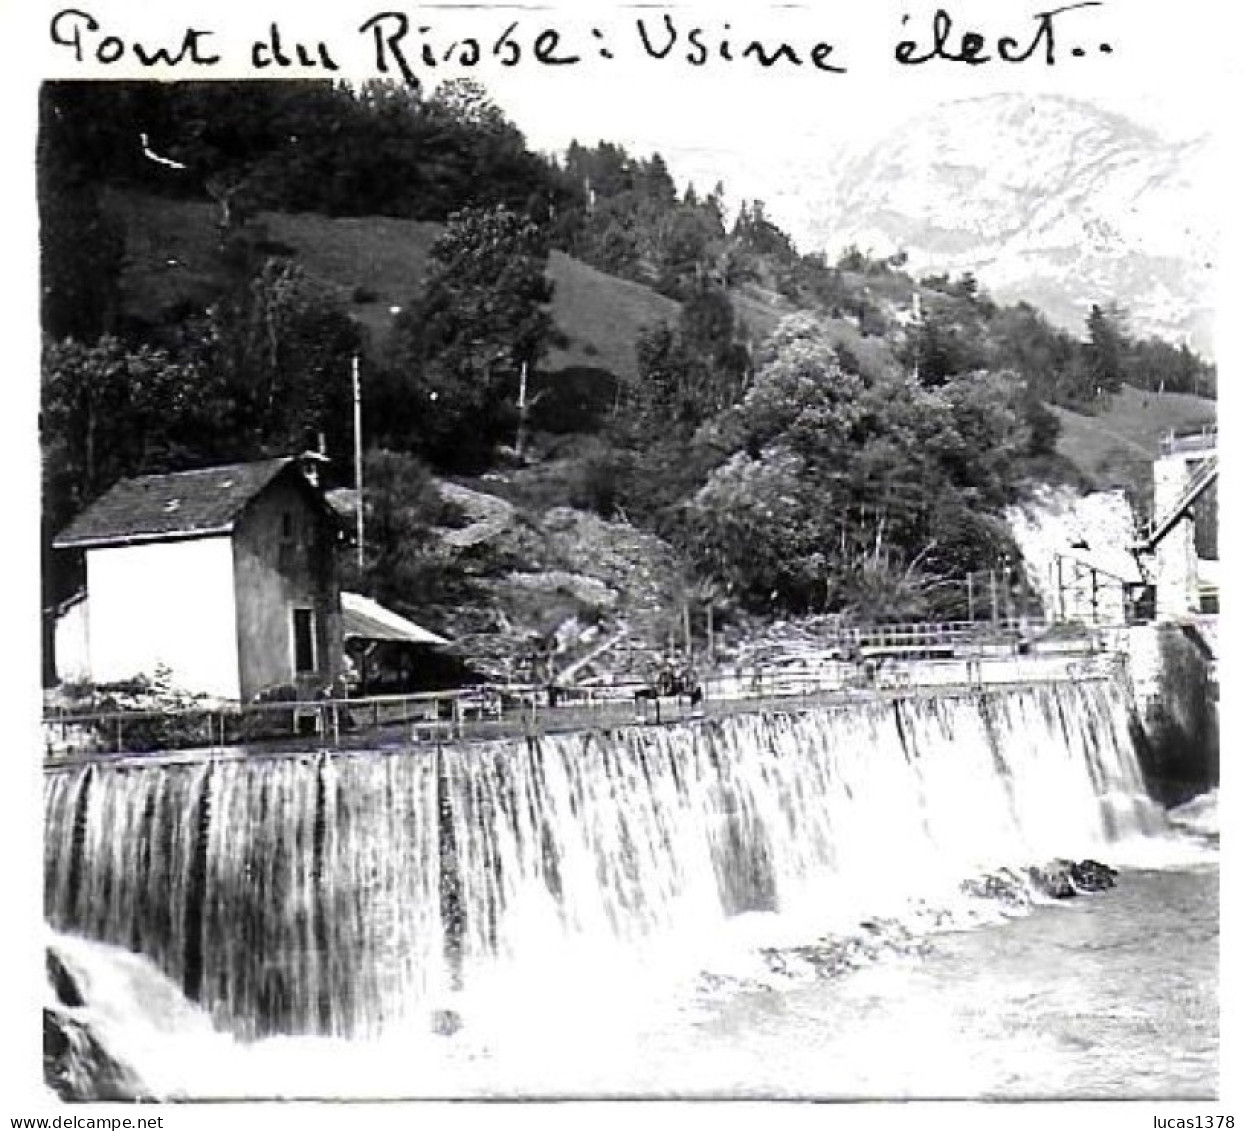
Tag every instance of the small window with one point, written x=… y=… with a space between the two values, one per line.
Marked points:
x=287 y=547
x=304 y=641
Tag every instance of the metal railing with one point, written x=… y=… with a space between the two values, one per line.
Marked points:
x=916 y=635
x=1202 y=439
x=508 y=711
x=1202 y=477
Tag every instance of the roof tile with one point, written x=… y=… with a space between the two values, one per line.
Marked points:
x=177 y=505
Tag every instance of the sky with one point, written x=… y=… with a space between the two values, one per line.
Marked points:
x=1167 y=67
x=759 y=132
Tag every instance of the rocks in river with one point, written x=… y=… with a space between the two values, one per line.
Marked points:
x=77 y=1062
x=446 y=1022
x=1090 y=875
x=832 y=955
x=1054 y=879
x=1062 y=879
x=77 y=1066
x=63 y=983
x=1006 y=886
x=1058 y=879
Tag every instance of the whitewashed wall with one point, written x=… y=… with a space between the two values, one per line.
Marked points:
x=73 y=644
x=1175 y=560
x=168 y=603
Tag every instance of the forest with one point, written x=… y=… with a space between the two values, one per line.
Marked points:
x=853 y=451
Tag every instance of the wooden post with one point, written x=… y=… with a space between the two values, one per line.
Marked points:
x=1009 y=597
x=358 y=460
x=520 y=440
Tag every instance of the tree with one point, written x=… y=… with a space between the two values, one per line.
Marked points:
x=800 y=394
x=1106 y=348
x=461 y=346
x=80 y=247
x=405 y=568
x=468 y=103
x=283 y=352
x=687 y=373
x=843 y=492
x=950 y=337
x=108 y=412
x=757 y=232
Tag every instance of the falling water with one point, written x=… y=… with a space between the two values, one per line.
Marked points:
x=347 y=894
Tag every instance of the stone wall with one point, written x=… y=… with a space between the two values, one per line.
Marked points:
x=1175 y=686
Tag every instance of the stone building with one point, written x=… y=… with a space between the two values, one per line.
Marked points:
x=225 y=576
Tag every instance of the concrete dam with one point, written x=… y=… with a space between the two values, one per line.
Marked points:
x=351 y=894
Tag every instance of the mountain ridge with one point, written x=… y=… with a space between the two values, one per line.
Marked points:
x=1046 y=199
x=1068 y=205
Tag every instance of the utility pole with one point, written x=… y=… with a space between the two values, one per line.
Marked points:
x=917 y=320
x=520 y=441
x=358 y=459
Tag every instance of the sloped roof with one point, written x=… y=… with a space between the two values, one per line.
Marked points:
x=1113 y=561
x=182 y=504
x=365 y=619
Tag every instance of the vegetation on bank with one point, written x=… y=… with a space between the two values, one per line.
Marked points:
x=806 y=436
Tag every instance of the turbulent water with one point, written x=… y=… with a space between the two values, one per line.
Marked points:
x=578 y=898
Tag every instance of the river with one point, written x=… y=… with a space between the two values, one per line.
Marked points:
x=761 y=906
x=1112 y=995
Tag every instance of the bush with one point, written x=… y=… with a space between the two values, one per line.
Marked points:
x=600 y=487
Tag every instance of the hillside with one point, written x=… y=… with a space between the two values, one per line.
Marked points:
x=1116 y=447
x=539 y=577
x=171 y=246
x=1069 y=205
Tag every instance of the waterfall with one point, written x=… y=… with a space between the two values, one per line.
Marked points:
x=345 y=893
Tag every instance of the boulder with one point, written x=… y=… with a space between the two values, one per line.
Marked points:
x=446 y=1022
x=77 y=1066
x=1091 y=875
x=1054 y=879
x=63 y=983
x=1004 y=885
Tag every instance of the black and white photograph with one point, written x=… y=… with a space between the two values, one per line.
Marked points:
x=620 y=552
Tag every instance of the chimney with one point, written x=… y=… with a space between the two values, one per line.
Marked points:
x=311 y=464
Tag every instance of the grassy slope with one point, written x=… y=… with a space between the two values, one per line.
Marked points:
x=171 y=244
x=1116 y=447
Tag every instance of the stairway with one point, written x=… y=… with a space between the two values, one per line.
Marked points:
x=1198 y=482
